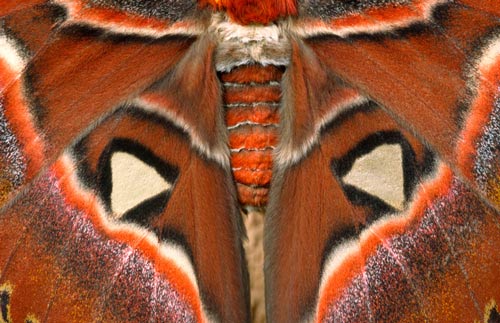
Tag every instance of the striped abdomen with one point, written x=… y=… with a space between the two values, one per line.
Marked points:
x=252 y=99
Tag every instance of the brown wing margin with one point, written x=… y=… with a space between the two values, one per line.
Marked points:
x=77 y=78
x=434 y=74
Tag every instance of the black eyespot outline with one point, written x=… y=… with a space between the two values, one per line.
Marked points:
x=412 y=172
x=145 y=211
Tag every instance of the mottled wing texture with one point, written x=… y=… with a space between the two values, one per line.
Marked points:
x=84 y=85
x=421 y=76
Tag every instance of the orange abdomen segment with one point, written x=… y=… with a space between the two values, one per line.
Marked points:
x=252 y=100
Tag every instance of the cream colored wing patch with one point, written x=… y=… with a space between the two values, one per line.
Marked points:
x=380 y=173
x=133 y=181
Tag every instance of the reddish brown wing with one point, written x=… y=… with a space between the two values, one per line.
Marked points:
x=81 y=83
x=333 y=254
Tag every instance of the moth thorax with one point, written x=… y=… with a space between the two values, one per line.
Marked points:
x=252 y=101
x=242 y=45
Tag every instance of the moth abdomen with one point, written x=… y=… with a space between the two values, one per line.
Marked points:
x=251 y=99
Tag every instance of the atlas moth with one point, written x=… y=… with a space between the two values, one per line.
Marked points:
x=136 y=137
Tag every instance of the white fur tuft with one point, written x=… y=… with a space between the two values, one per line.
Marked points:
x=240 y=45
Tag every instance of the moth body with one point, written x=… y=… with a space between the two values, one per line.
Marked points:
x=251 y=102
x=250 y=61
